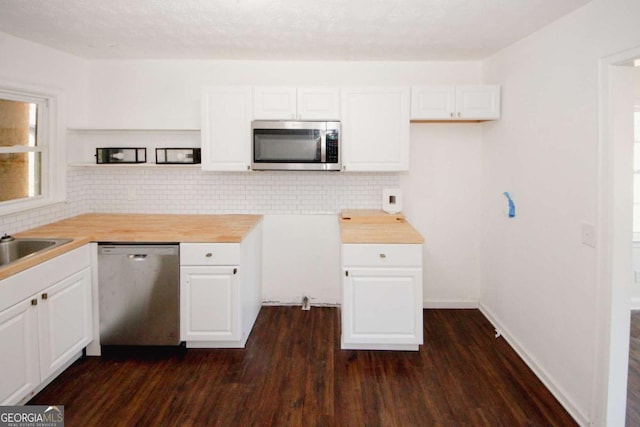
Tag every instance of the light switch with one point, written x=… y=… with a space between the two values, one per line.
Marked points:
x=588 y=234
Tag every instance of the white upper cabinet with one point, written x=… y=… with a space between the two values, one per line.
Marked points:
x=375 y=128
x=480 y=102
x=274 y=103
x=290 y=103
x=226 y=128
x=318 y=103
x=433 y=102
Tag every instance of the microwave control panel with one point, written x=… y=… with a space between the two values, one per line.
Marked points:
x=332 y=146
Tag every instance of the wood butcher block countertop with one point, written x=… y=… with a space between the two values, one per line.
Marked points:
x=135 y=228
x=374 y=226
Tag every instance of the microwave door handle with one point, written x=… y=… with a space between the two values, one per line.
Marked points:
x=323 y=146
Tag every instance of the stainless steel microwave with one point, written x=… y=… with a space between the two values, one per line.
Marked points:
x=296 y=145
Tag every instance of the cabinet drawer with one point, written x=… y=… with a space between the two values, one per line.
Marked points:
x=209 y=253
x=382 y=255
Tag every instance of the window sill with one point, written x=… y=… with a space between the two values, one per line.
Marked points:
x=21 y=207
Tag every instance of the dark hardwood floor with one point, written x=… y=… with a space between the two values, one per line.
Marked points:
x=292 y=372
x=633 y=385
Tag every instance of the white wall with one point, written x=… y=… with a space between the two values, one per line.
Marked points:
x=316 y=243
x=443 y=201
x=539 y=282
x=166 y=93
x=31 y=64
x=28 y=65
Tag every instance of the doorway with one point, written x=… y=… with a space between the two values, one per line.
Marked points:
x=633 y=381
x=615 y=228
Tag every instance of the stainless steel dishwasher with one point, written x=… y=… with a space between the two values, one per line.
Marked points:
x=139 y=292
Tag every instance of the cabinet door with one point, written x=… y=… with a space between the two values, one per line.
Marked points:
x=209 y=304
x=375 y=129
x=274 y=103
x=318 y=103
x=478 y=102
x=19 y=369
x=65 y=320
x=226 y=128
x=382 y=306
x=433 y=102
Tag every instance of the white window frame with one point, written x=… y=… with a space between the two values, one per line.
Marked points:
x=636 y=172
x=49 y=144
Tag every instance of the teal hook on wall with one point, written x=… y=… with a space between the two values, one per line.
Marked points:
x=512 y=206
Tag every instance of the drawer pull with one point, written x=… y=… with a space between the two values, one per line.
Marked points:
x=383 y=256
x=45 y=296
x=209 y=255
x=34 y=301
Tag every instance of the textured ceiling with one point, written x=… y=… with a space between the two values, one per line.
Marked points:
x=280 y=29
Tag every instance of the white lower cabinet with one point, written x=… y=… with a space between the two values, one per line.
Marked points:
x=382 y=297
x=220 y=291
x=19 y=367
x=64 y=321
x=46 y=320
x=210 y=309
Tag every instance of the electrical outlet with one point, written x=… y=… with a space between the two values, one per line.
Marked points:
x=588 y=234
x=131 y=194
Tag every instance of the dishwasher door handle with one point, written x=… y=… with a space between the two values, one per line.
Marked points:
x=137 y=257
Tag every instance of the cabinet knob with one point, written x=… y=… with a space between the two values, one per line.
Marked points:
x=45 y=296
x=451 y=114
x=459 y=114
x=34 y=301
x=208 y=254
x=383 y=256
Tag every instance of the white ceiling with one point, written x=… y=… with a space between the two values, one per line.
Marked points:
x=280 y=29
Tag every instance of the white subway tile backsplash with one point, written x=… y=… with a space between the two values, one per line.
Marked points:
x=78 y=202
x=186 y=190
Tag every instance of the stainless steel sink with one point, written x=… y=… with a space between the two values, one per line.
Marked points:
x=20 y=248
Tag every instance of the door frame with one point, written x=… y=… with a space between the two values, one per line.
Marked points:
x=614 y=266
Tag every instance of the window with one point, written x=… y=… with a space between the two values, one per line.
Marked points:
x=27 y=177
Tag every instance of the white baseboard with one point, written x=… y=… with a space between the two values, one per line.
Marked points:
x=273 y=303
x=635 y=303
x=436 y=303
x=537 y=369
x=444 y=304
